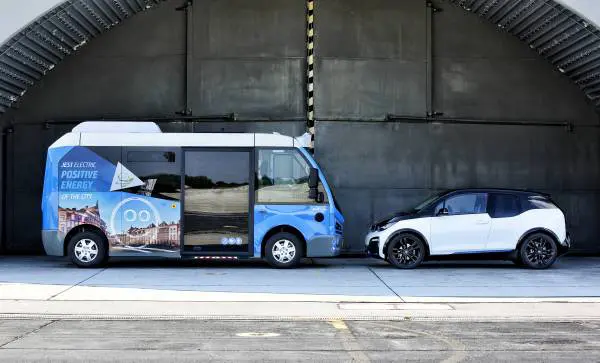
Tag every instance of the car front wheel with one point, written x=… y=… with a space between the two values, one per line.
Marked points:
x=538 y=251
x=406 y=251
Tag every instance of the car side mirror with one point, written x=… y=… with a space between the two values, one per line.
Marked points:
x=313 y=178
x=443 y=212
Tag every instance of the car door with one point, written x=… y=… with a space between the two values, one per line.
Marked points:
x=460 y=224
x=506 y=227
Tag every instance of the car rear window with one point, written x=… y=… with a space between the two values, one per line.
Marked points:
x=504 y=205
x=541 y=203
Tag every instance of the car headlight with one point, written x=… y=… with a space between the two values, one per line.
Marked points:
x=390 y=223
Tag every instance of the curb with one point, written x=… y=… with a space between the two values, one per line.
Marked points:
x=407 y=317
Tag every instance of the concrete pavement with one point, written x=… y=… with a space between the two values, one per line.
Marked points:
x=46 y=278
x=328 y=310
x=360 y=289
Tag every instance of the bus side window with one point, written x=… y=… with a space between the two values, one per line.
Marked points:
x=159 y=170
x=163 y=186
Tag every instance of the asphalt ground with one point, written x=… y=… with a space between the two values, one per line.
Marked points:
x=331 y=341
x=327 y=310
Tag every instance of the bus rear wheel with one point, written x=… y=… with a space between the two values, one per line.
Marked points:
x=283 y=250
x=87 y=249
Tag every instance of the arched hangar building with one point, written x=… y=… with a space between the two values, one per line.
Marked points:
x=404 y=97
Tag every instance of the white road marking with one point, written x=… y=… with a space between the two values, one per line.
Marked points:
x=257 y=335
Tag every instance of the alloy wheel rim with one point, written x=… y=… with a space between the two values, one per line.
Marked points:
x=540 y=251
x=407 y=251
x=284 y=251
x=86 y=250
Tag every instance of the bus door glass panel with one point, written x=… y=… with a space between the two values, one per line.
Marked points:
x=217 y=201
x=150 y=209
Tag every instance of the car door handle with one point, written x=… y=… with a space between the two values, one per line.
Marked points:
x=483 y=222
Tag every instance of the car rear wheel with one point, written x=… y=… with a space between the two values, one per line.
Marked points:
x=88 y=249
x=406 y=251
x=538 y=251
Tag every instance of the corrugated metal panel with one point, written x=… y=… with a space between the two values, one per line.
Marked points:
x=565 y=39
x=569 y=42
x=29 y=55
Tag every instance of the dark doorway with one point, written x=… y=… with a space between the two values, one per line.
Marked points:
x=217 y=200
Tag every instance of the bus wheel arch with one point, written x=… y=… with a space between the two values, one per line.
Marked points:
x=80 y=229
x=279 y=229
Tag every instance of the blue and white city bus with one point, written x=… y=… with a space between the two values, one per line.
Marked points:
x=126 y=189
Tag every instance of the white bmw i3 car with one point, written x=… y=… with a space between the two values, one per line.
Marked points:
x=525 y=227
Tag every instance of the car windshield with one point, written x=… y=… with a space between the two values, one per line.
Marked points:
x=428 y=201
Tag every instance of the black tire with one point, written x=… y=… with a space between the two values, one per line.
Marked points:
x=288 y=257
x=406 y=251
x=518 y=261
x=94 y=249
x=538 y=251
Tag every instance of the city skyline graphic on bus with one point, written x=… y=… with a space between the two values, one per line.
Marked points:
x=130 y=221
x=89 y=193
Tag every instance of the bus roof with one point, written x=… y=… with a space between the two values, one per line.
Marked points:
x=117 y=127
x=148 y=134
x=177 y=140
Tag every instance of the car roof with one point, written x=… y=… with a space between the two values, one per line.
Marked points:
x=496 y=190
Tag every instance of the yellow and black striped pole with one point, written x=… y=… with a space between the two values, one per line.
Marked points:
x=310 y=69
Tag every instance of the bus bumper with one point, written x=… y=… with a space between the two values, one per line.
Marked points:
x=53 y=241
x=324 y=246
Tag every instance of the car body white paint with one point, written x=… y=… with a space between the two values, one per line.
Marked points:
x=474 y=233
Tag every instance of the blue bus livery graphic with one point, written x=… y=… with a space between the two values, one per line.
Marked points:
x=89 y=194
x=277 y=194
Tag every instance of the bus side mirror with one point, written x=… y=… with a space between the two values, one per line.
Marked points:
x=316 y=195
x=313 y=178
x=313 y=185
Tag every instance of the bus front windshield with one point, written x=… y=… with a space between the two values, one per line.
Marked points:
x=335 y=202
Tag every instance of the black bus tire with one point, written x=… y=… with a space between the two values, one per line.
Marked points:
x=284 y=250
x=88 y=250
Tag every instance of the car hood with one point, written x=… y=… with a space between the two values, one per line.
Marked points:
x=400 y=216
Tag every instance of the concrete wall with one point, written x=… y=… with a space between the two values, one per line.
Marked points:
x=380 y=68
x=372 y=60
x=249 y=62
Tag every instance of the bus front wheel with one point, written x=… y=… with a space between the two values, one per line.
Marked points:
x=87 y=249
x=283 y=250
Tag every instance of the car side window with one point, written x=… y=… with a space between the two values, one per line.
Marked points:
x=504 y=206
x=470 y=203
